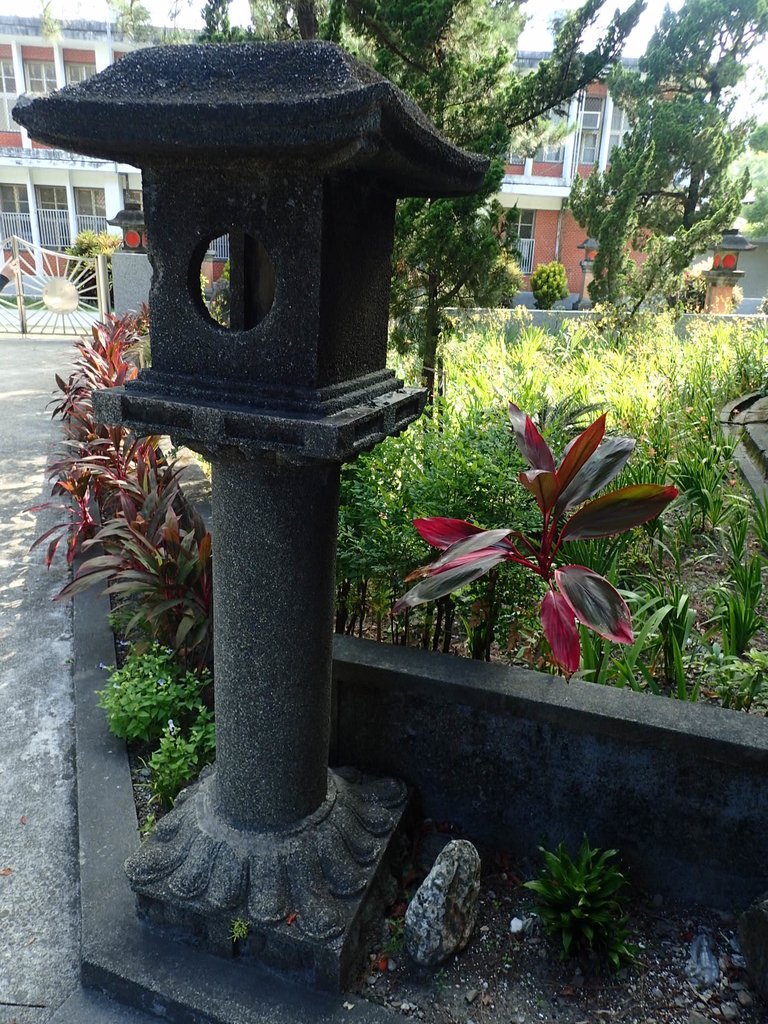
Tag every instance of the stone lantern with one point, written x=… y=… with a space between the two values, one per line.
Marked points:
x=130 y=220
x=724 y=274
x=589 y=247
x=298 y=153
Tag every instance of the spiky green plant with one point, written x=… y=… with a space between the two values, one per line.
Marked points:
x=580 y=900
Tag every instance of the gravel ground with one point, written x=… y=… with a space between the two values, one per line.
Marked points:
x=501 y=978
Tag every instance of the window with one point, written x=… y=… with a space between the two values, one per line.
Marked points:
x=619 y=128
x=591 y=118
x=525 y=223
x=14 y=212
x=14 y=199
x=552 y=152
x=41 y=76
x=78 y=72
x=133 y=197
x=521 y=223
x=7 y=96
x=51 y=197
x=90 y=202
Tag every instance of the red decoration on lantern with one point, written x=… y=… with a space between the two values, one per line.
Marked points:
x=716 y=261
x=144 y=239
x=132 y=238
x=729 y=260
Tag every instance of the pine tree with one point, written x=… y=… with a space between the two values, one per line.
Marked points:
x=455 y=59
x=668 y=193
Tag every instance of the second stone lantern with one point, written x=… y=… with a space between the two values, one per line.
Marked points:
x=298 y=153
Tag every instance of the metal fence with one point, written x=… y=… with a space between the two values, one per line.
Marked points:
x=55 y=231
x=19 y=224
x=51 y=292
x=524 y=247
x=91 y=222
x=220 y=247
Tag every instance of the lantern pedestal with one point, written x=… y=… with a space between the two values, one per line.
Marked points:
x=309 y=892
x=720 y=285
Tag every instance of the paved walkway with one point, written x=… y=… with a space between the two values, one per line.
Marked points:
x=39 y=898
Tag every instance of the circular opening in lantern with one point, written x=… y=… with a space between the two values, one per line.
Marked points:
x=729 y=261
x=132 y=238
x=236 y=280
x=716 y=261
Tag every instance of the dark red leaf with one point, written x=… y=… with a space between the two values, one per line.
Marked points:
x=441 y=532
x=483 y=539
x=542 y=485
x=471 y=567
x=595 y=602
x=532 y=445
x=578 y=452
x=602 y=469
x=559 y=624
x=618 y=511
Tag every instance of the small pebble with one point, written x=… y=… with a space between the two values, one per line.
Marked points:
x=744 y=997
x=516 y=925
x=472 y=995
x=729 y=1011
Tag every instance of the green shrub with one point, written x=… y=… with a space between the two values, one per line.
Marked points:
x=92 y=243
x=549 y=284
x=581 y=902
x=148 y=691
x=182 y=754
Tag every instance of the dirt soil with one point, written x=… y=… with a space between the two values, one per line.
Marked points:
x=505 y=978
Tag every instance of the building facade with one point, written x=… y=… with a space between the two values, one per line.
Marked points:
x=538 y=186
x=48 y=196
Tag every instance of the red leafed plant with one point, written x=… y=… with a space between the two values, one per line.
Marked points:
x=588 y=464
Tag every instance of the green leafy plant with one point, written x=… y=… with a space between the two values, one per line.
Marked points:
x=182 y=754
x=549 y=284
x=759 y=521
x=147 y=691
x=740 y=683
x=581 y=902
x=589 y=463
x=739 y=620
x=239 y=929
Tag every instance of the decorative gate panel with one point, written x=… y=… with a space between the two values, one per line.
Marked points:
x=52 y=293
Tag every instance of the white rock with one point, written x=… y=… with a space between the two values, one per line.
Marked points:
x=516 y=925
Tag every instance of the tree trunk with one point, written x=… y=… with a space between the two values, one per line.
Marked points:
x=431 y=338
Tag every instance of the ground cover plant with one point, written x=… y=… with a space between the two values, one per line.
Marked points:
x=693 y=605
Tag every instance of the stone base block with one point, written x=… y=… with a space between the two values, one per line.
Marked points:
x=303 y=898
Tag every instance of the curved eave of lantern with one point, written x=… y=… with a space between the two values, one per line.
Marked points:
x=306 y=101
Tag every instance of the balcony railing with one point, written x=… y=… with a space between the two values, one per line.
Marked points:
x=19 y=224
x=54 y=228
x=524 y=247
x=92 y=222
x=220 y=247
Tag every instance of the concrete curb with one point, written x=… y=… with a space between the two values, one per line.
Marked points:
x=121 y=957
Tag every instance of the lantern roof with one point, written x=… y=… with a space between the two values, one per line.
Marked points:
x=276 y=102
x=732 y=241
x=129 y=217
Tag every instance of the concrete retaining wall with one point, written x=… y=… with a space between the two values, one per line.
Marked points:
x=518 y=758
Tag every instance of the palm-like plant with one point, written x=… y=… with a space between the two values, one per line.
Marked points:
x=589 y=463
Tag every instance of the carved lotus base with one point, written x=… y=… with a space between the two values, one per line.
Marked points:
x=306 y=892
